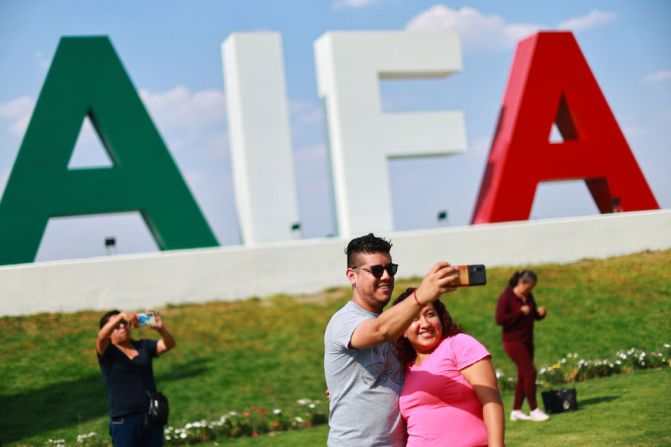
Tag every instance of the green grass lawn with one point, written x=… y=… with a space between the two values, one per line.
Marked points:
x=622 y=410
x=268 y=353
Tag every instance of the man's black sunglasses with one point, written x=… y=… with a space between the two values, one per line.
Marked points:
x=378 y=270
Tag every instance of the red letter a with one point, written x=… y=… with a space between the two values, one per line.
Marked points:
x=550 y=82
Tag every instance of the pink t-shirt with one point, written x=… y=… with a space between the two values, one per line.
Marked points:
x=438 y=403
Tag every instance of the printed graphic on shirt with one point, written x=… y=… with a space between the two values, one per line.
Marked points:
x=379 y=366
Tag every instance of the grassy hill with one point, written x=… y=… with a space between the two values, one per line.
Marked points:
x=268 y=352
x=618 y=411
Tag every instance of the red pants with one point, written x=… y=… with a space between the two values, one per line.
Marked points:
x=523 y=356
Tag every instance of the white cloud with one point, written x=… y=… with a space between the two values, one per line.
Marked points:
x=303 y=115
x=592 y=19
x=312 y=171
x=662 y=75
x=17 y=112
x=194 y=176
x=193 y=123
x=180 y=108
x=475 y=29
x=631 y=132
x=16 y=107
x=480 y=147
x=480 y=31
x=217 y=146
x=316 y=152
x=42 y=61
x=352 y=4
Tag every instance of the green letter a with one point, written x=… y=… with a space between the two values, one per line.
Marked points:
x=87 y=78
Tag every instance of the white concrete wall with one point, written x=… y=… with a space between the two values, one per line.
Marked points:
x=147 y=280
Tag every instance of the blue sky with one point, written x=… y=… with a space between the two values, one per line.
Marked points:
x=171 y=50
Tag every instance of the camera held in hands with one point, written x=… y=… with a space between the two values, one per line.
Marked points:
x=146 y=319
x=472 y=275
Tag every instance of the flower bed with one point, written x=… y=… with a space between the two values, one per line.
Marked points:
x=253 y=422
x=571 y=368
x=308 y=413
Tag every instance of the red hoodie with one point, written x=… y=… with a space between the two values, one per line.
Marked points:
x=517 y=327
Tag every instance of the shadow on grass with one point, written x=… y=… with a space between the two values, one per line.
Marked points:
x=596 y=401
x=66 y=404
x=183 y=370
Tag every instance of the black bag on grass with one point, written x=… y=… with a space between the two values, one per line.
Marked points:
x=559 y=401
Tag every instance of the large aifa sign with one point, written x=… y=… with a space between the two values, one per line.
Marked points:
x=550 y=83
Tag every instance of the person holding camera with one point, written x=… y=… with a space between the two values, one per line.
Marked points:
x=450 y=395
x=127 y=371
x=516 y=312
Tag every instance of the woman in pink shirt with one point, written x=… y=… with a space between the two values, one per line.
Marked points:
x=450 y=396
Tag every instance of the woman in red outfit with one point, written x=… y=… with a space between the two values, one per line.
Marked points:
x=516 y=312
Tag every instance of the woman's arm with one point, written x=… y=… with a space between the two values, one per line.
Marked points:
x=482 y=378
x=539 y=312
x=103 y=340
x=167 y=341
x=394 y=321
x=504 y=314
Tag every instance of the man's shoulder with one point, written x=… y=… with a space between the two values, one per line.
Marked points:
x=350 y=311
x=344 y=322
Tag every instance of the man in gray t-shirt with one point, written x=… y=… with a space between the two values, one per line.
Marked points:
x=363 y=374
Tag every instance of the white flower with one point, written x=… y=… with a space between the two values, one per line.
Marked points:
x=277 y=411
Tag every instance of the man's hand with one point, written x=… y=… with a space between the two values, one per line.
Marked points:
x=391 y=323
x=542 y=311
x=441 y=279
x=130 y=317
x=525 y=309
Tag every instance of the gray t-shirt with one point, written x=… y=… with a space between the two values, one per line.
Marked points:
x=364 y=384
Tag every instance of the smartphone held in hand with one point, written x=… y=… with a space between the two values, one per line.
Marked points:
x=472 y=275
x=146 y=319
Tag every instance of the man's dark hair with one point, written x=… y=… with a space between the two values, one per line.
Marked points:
x=365 y=244
x=105 y=318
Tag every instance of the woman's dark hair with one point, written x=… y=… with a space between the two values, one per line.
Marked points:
x=105 y=318
x=524 y=275
x=365 y=244
x=406 y=353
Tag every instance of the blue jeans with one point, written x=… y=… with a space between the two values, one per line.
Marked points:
x=131 y=431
